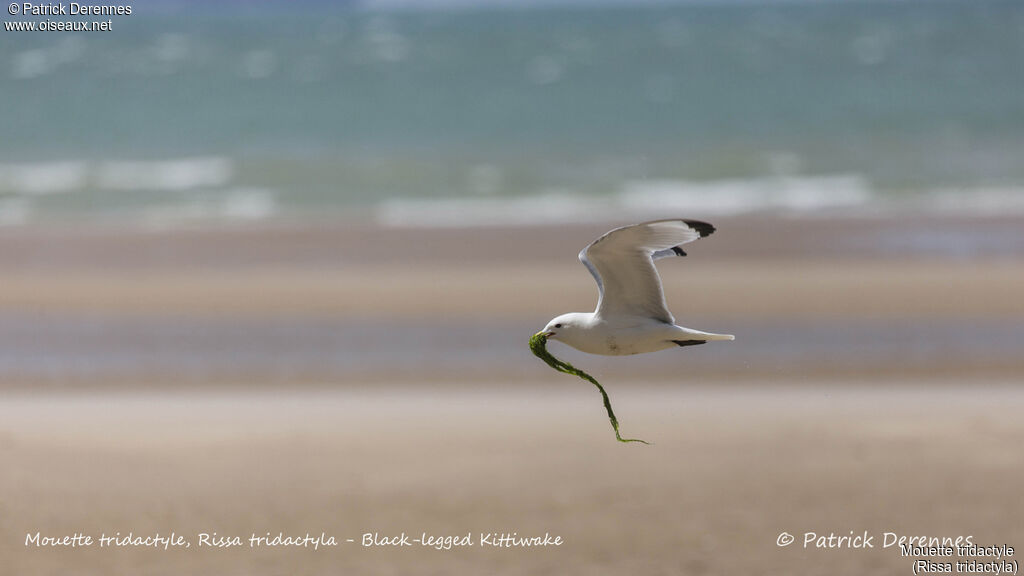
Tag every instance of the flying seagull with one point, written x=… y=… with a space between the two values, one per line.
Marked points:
x=631 y=315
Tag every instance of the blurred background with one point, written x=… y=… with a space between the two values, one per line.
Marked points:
x=252 y=233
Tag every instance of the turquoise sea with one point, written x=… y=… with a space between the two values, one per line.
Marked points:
x=449 y=116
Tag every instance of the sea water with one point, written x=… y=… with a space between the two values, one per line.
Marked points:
x=450 y=116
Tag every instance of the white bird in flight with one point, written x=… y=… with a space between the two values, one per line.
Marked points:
x=631 y=315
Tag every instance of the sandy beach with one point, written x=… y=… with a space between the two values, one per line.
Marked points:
x=729 y=471
x=315 y=379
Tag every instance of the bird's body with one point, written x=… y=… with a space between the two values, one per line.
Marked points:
x=631 y=315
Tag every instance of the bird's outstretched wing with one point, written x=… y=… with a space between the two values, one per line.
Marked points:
x=622 y=262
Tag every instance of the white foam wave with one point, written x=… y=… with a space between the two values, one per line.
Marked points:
x=248 y=204
x=239 y=204
x=724 y=197
x=41 y=178
x=636 y=199
x=806 y=197
x=978 y=201
x=38 y=178
x=549 y=207
x=180 y=174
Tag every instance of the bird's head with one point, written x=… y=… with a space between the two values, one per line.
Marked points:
x=563 y=327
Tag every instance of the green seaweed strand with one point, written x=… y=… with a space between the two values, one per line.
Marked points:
x=538 y=345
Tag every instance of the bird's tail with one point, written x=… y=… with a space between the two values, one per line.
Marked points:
x=707 y=336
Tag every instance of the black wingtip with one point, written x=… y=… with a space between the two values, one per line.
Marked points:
x=678 y=251
x=702 y=228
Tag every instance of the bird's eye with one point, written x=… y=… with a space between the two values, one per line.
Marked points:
x=558 y=325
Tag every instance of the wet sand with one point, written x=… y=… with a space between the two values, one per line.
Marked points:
x=323 y=305
x=750 y=268
x=729 y=290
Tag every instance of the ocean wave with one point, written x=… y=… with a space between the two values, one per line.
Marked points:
x=977 y=201
x=42 y=178
x=180 y=174
x=549 y=207
x=736 y=196
x=637 y=200
x=845 y=195
x=38 y=178
x=238 y=204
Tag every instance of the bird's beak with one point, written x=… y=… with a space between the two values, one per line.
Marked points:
x=544 y=334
